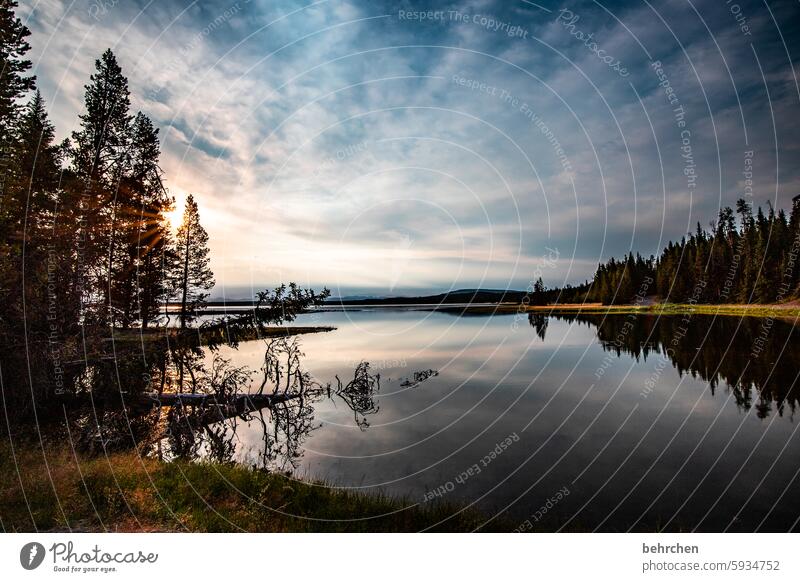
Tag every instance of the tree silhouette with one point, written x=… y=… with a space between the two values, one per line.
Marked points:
x=194 y=275
x=99 y=159
x=13 y=66
x=754 y=263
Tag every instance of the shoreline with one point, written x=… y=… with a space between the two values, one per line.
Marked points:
x=785 y=311
x=131 y=492
x=203 y=336
x=790 y=312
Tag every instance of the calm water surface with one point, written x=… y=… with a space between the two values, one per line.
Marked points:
x=588 y=423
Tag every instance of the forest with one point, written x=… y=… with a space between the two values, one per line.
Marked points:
x=87 y=250
x=87 y=245
x=85 y=235
x=752 y=260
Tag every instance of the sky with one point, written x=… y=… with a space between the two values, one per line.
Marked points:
x=396 y=148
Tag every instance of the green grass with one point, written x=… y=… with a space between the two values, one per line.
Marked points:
x=787 y=312
x=790 y=312
x=124 y=492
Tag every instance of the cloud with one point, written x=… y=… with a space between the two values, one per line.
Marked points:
x=332 y=143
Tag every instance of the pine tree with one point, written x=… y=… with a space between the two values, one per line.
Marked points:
x=760 y=261
x=13 y=85
x=100 y=149
x=154 y=245
x=793 y=246
x=753 y=263
x=194 y=277
x=141 y=233
x=31 y=246
x=13 y=66
x=99 y=160
x=538 y=296
x=625 y=288
x=37 y=158
x=32 y=173
x=748 y=265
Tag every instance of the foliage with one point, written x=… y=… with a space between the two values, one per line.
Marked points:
x=281 y=305
x=13 y=67
x=754 y=262
x=86 y=248
x=194 y=276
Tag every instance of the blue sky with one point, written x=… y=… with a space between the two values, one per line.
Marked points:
x=369 y=148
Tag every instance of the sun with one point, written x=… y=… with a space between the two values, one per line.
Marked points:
x=175 y=216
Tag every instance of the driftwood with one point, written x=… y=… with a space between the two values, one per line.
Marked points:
x=251 y=401
x=208 y=408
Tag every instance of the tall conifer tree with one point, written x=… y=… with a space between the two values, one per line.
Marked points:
x=99 y=160
x=194 y=274
x=151 y=232
x=14 y=83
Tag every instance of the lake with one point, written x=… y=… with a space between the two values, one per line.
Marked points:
x=590 y=423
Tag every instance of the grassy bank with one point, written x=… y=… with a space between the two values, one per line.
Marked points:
x=55 y=491
x=785 y=311
x=776 y=311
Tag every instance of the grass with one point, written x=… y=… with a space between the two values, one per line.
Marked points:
x=52 y=490
x=778 y=311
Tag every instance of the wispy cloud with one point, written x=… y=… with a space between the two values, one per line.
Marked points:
x=321 y=137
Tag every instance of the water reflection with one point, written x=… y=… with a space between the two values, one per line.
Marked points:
x=184 y=401
x=280 y=409
x=759 y=370
x=755 y=358
x=538 y=322
x=645 y=420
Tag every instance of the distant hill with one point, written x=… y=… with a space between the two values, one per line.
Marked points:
x=458 y=296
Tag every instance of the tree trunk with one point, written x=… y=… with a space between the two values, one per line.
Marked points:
x=185 y=281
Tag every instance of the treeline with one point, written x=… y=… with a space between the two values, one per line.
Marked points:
x=84 y=234
x=752 y=259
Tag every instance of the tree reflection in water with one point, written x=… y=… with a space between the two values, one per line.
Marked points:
x=177 y=399
x=211 y=404
x=756 y=358
x=210 y=430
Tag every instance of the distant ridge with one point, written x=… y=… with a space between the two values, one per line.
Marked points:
x=457 y=296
